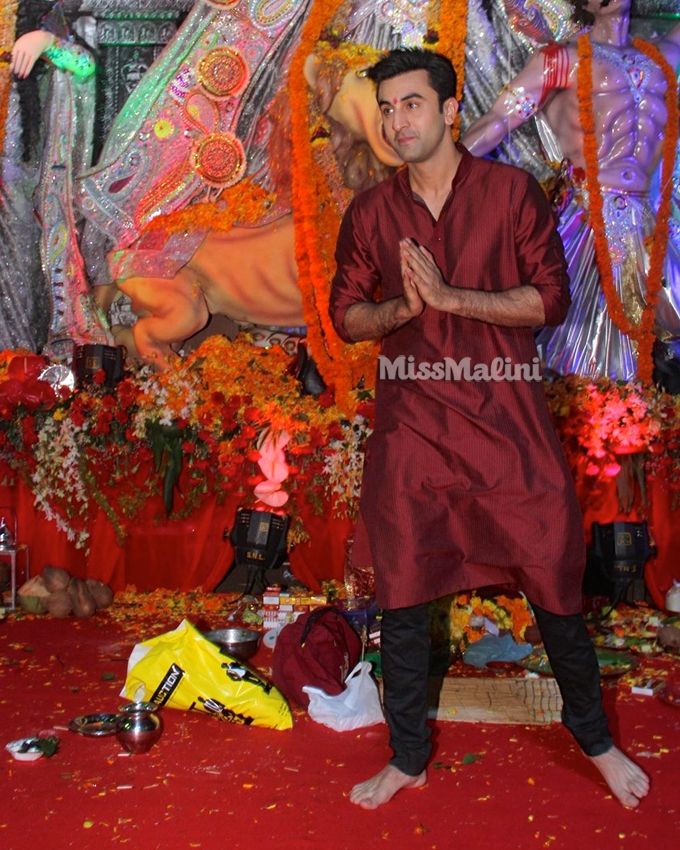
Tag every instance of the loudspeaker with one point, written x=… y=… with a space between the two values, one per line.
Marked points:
x=259 y=538
x=616 y=558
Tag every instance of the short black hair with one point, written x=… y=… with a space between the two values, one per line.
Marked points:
x=440 y=70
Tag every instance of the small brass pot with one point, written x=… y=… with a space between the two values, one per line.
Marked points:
x=138 y=727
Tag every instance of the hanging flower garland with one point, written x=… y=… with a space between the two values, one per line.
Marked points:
x=8 y=17
x=642 y=332
x=451 y=34
x=317 y=222
x=316 y=214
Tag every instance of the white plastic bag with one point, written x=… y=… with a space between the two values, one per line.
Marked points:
x=358 y=705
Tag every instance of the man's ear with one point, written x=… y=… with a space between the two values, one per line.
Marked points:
x=450 y=108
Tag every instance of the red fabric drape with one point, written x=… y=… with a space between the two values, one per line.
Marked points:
x=192 y=553
x=323 y=556
x=600 y=504
x=181 y=554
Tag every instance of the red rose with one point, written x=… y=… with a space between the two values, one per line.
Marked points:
x=77 y=417
x=326 y=399
x=28 y=431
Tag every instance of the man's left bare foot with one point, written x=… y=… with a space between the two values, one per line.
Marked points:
x=627 y=782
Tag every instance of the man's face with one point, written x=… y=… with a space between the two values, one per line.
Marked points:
x=413 y=124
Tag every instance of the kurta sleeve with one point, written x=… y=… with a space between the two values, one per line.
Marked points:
x=539 y=251
x=356 y=277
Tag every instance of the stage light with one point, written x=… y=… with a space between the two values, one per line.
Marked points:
x=259 y=541
x=617 y=558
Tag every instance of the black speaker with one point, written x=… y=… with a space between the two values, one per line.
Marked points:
x=616 y=558
x=259 y=538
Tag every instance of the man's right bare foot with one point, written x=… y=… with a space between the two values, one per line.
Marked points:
x=383 y=786
x=627 y=782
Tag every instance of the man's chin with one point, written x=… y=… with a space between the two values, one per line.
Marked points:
x=409 y=153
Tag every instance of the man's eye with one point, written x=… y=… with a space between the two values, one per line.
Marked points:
x=413 y=104
x=387 y=110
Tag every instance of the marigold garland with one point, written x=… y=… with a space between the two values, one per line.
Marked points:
x=642 y=332
x=452 y=35
x=8 y=17
x=317 y=223
x=244 y=203
x=461 y=619
x=317 y=218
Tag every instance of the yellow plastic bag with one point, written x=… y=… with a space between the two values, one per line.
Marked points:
x=182 y=669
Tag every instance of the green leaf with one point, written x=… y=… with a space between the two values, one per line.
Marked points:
x=48 y=746
x=471 y=758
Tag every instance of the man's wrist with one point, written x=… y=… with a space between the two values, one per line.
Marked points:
x=448 y=300
x=401 y=312
x=367 y=320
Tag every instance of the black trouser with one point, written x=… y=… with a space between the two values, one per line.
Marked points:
x=405 y=643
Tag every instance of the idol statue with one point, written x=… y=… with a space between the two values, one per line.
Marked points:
x=189 y=208
x=45 y=300
x=606 y=108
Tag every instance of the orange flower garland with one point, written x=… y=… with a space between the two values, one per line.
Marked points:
x=317 y=218
x=316 y=221
x=451 y=42
x=245 y=203
x=8 y=17
x=643 y=332
x=460 y=619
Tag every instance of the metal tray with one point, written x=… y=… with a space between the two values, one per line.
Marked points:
x=94 y=725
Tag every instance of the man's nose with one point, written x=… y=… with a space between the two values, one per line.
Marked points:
x=399 y=118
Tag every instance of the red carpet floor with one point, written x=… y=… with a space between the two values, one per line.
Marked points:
x=219 y=787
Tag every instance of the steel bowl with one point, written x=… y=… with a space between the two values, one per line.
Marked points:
x=239 y=643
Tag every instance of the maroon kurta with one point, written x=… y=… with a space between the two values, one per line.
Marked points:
x=465 y=483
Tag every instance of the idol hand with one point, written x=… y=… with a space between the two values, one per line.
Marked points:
x=27 y=50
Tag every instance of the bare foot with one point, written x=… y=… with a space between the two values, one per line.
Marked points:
x=383 y=786
x=627 y=782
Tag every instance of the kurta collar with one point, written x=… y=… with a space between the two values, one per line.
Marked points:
x=464 y=167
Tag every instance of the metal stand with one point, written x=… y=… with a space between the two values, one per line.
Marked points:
x=11 y=555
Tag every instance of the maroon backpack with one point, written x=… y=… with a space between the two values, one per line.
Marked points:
x=319 y=648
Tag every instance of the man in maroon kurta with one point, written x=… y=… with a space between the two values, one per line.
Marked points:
x=464 y=478
x=452 y=263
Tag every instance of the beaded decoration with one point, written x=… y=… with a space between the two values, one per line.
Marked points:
x=270 y=13
x=219 y=159
x=222 y=73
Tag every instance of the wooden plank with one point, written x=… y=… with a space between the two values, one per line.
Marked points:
x=495 y=700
